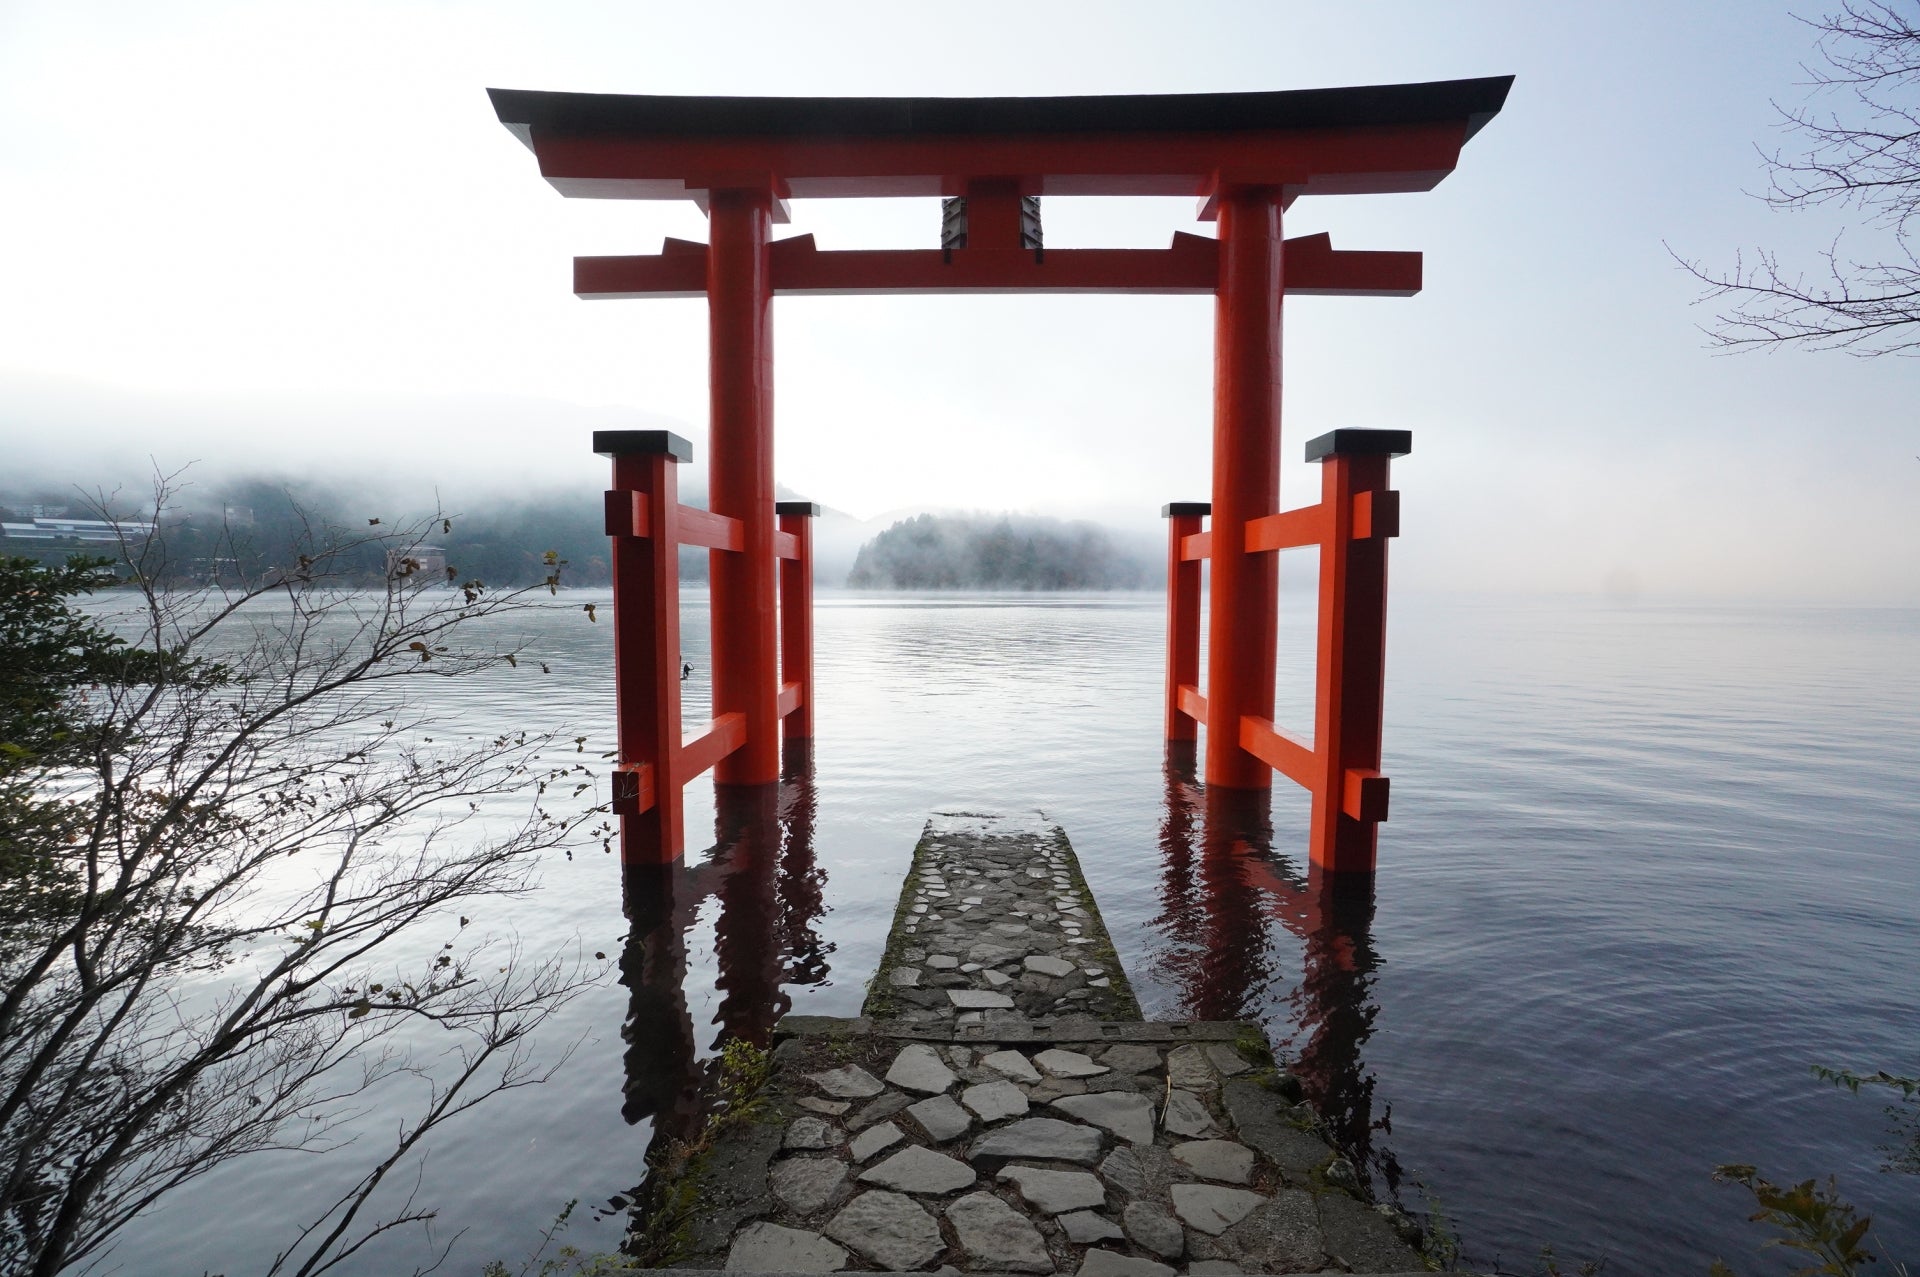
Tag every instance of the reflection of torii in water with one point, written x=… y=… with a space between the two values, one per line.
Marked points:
x=762 y=872
x=1222 y=884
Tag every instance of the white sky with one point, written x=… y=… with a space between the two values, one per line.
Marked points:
x=292 y=237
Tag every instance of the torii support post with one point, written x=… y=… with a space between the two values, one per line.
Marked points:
x=1350 y=800
x=794 y=544
x=1244 y=594
x=642 y=511
x=740 y=454
x=1186 y=548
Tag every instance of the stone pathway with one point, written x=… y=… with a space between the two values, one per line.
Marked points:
x=985 y=1125
x=995 y=920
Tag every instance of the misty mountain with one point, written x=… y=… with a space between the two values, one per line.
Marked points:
x=245 y=526
x=1004 y=552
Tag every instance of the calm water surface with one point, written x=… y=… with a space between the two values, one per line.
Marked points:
x=1645 y=866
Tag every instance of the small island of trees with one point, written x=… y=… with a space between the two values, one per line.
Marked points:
x=986 y=552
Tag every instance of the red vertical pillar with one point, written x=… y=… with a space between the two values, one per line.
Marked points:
x=1183 y=614
x=740 y=482
x=796 y=614
x=1243 y=597
x=1350 y=798
x=646 y=640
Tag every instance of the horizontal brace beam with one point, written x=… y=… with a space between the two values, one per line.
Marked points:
x=714 y=531
x=789 y=699
x=1196 y=545
x=1192 y=703
x=1288 y=529
x=724 y=735
x=633 y=788
x=1363 y=794
x=1311 y=267
x=626 y=514
x=786 y=545
x=1295 y=761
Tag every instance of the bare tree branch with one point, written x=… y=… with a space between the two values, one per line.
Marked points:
x=217 y=900
x=1859 y=134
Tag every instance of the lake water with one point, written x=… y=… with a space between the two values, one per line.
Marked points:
x=1645 y=866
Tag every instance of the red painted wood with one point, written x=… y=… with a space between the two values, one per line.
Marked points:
x=1243 y=593
x=713 y=531
x=1349 y=794
x=1363 y=794
x=1288 y=529
x=633 y=790
x=1331 y=161
x=796 y=629
x=1183 y=623
x=740 y=346
x=724 y=735
x=1190 y=266
x=1284 y=753
x=626 y=514
x=646 y=658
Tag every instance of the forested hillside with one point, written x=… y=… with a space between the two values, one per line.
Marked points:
x=987 y=552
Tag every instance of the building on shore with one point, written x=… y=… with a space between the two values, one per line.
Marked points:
x=420 y=562
x=77 y=531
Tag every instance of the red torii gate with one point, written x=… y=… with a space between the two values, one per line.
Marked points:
x=1245 y=156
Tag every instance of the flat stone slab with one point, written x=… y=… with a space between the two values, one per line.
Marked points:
x=1040 y=964
x=832 y=1108
x=892 y=1230
x=1212 y=1209
x=1152 y=1228
x=810 y=1132
x=1126 y=1113
x=1190 y=1069
x=1069 y=1064
x=1056 y=1191
x=849 y=1083
x=1187 y=1115
x=873 y=1139
x=1221 y=1160
x=1083 y=1227
x=1225 y=1060
x=980 y=1000
x=1105 y=1263
x=919 y=1170
x=920 y=1068
x=996 y=1237
x=941 y=1118
x=1040 y=1137
x=807 y=1184
x=1013 y=1064
x=769 y=1248
x=995 y=1101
